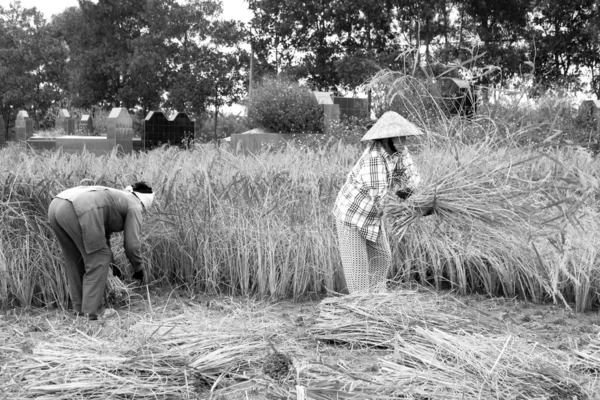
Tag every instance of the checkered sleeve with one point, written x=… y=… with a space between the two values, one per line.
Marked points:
x=373 y=176
x=406 y=174
x=413 y=178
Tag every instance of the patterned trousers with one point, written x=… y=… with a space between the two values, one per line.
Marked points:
x=365 y=263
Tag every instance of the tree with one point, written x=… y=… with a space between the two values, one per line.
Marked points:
x=151 y=58
x=212 y=64
x=589 y=54
x=152 y=53
x=102 y=50
x=32 y=63
x=315 y=39
x=566 y=38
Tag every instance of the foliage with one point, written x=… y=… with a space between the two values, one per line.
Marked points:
x=567 y=40
x=210 y=69
x=153 y=54
x=555 y=38
x=32 y=64
x=281 y=106
x=347 y=130
x=227 y=124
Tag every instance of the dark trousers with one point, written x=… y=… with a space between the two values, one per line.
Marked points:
x=86 y=273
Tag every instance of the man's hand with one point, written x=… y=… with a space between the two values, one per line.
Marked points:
x=116 y=271
x=139 y=276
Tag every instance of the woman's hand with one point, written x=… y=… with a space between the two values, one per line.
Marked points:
x=404 y=194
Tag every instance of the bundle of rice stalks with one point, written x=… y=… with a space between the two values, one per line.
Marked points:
x=380 y=319
x=488 y=209
x=441 y=365
x=225 y=356
x=116 y=293
x=499 y=192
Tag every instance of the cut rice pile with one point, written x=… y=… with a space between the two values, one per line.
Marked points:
x=436 y=355
x=588 y=357
x=176 y=358
x=402 y=345
x=380 y=320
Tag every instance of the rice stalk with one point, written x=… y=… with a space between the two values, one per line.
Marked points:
x=116 y=293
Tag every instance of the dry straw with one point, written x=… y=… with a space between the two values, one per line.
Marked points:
x=434 y=352
x=188 y=356
x=405 y=344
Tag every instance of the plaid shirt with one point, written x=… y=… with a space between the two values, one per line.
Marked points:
x=358 y=203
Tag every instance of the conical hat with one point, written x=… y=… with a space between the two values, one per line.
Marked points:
x=391 y=124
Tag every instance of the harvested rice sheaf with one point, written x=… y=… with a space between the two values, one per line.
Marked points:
x=116 y=293
x=436 y=353
x=499 y=192
x=496 y=215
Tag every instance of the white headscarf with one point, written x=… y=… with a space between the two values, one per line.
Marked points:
x=145 y=198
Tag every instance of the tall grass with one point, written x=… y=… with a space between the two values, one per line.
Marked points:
x=222 y=223
x=262 y=225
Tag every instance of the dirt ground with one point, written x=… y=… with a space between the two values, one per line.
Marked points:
x=22 y=330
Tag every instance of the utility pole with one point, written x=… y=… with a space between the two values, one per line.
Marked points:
x=251 y=67
x=216 y=110
x=250 y=3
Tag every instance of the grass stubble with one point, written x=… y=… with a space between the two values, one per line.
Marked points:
x=406 y=344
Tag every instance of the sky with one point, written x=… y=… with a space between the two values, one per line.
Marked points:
x=232 y=9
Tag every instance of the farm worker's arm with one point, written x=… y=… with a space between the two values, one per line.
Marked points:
x=373 y=177
x=131 y=238
x=406 y=172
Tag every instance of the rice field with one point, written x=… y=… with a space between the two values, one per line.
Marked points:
x=495 y=296
x=510 y=222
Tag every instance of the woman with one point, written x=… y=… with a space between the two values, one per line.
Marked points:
x=83 y=218
x=385 y=166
